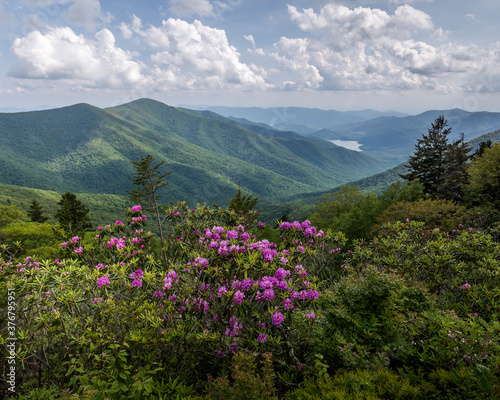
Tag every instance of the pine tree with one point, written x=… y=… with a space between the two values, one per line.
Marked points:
x=440 y=166
x=148 y=180
x=455 y=171
x=427 y=162
x=35 y=212
x=242 y=204
x=72 y=215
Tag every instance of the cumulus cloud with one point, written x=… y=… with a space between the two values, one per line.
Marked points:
x=254 y=50
x=368 y=49
x=61 y=54
x=189 y=55
x=186 y=8
x=347 y=26
x=87 y=13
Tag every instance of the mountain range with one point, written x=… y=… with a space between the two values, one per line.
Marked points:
x=88 y=150
x=388 y=136
x=85 y=149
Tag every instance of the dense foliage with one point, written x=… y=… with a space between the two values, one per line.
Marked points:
x=235 y=315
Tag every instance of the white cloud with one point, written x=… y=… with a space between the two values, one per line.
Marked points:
x=347 y=26
x=193 y=55
x=87 y=13
x=295 y=55
x=440 y=35
x=369 y=49
x=60 y=54
x=254 y=49
x=186 y=8
x=471 y=17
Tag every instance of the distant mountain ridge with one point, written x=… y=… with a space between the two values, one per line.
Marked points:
x=85 y=149
x=299 y=119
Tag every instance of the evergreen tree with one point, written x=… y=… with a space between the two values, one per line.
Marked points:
x=148 y=180
x=242 y=203
x=427 y=162
x=440 y=166
x=485 y=144
x=455 y=171
x=72 y=215
x=35 y=212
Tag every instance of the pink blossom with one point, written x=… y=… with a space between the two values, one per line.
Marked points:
x=262 y=338
x=311 y=315
x=136 y=208
x=75 y=239
x=137 y=283
x=238 y=297
x=277 y=319
x=103 y=281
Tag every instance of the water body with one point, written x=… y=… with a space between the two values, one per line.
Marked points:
x=348 y=144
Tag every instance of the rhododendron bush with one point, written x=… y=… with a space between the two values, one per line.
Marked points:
x=110 y=305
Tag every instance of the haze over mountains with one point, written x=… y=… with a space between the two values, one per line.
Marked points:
x=86 y=149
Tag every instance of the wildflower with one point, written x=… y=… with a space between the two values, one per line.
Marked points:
x=306 y=224
x=64 y=244
x=466 y=286
x=75 y=239
x=288 y=304
x=158 y=294
x=118 y=223
x=281 y=273
x=238 y=297
x=79 y=250
x=137 y=274
x=137 y=283
x=232 y=234
x=103 y=281
x=262 y=338
x=312 y=295
x=311 y=315
x=97 y=300
x=268 y=294
x=300 y=248
x=277 y=319
x=222 y=290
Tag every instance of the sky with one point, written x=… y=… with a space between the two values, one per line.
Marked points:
x=409 y=56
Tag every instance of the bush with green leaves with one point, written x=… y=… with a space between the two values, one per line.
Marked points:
x=460 y=267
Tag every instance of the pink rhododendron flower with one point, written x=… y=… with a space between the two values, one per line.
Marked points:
x=238 y=297
x=103 y=281
x=137 y=283
x=277 y=319
x=136 y=208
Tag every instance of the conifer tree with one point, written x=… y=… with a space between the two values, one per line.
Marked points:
x=427 y=162
x=72 y=215
x=148 y=180
x=35 y=212
x=242 y=203
x=439 y=165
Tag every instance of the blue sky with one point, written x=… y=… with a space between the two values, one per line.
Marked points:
x=408 y=56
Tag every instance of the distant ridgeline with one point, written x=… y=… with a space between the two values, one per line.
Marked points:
x=85 y=149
